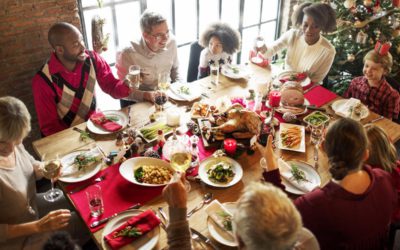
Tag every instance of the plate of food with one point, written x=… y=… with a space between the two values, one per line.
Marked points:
x=200 y=110
x=146 y=171
x=293 y=76
x=234 y=71
x=144 y=242
x=150 y=131
x=80 y=165
x=219 y=222
x=113 y=115
x=220 y=171
x=298 y=177
x=184 y=92
x=292 y=137
x=352 y=108
x=316 y=118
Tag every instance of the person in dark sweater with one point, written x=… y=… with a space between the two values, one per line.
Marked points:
x=354 y=209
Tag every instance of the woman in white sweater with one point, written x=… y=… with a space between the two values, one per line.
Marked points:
x=307 y=50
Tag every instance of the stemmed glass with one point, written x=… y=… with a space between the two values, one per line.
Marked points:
x=315 y=139
x=160 y=97
x=134 y=76
x=51 y=170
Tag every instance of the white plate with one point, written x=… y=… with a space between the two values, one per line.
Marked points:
x=310 y=172
x=129 y=166
x=220 y=234
x=339 y=103
x=302 y=146
x=150 y=125
x=303 y=83
x=234 y=71
x=67 y=162
x=175 y=92
x=145 y=242
x=122 y=120
x=210 y=161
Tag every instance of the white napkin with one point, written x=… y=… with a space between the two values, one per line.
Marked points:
x=304 y=186
x=345 y=109
x=214 y=209
x=193 y=92
x=69 y=168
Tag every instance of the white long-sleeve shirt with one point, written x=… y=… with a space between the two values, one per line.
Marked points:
x=314 y=59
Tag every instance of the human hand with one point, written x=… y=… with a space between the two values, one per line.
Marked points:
x=269 y=155
x=175 y=192
x=149 y=96
x=54 y=220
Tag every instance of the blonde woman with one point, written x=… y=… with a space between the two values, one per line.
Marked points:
x=21 y=223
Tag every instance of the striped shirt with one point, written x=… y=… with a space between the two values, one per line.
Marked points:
x=383 y=100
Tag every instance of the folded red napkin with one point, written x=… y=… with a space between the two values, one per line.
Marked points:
x=319 y=96
x=100 y=119
x=295 y=77
x=135 y=227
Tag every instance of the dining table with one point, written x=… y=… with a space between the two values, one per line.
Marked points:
x=259 y=79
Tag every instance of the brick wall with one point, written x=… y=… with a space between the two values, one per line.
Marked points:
x=24 y=47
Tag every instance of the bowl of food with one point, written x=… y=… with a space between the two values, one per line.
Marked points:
x=316 y=118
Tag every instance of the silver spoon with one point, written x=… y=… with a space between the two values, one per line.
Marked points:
x=207 y=198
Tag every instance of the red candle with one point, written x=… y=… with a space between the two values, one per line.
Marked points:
x=230 y=146
x=274 y=98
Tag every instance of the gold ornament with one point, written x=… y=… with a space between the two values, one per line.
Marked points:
x=368 y=3
x=349 y=4
x=396 y=33
x=351 y=57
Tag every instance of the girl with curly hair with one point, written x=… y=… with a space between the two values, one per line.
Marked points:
x=220 y=41
x=356 y=198
x=307 y=50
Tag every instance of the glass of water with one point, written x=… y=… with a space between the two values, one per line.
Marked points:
x=214 y=73
x=95 y=200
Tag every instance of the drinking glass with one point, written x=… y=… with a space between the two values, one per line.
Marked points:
x=214 y=74
x=316 y=134
x=160 y=98
x=134 y=76
x=95 y=200
x=164 y=81
x=51 y=170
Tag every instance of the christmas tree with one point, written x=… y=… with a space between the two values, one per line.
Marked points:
x=360 y=24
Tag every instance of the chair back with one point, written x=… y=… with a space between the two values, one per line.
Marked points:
x=194 y=58
x=396 y=85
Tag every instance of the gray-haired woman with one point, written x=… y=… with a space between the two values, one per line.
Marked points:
x=20 y=225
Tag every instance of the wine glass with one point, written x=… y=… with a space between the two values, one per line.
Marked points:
x=164 y=81
x=51 y=170
x=180 y=158
x=134 y=76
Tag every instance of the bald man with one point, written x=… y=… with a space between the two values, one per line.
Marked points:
x=63 y=89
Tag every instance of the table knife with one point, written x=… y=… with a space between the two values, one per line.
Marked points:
x=204 y=238
x=99 y=222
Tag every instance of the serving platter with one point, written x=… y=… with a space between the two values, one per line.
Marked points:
x=291 y=76
x=301 y=147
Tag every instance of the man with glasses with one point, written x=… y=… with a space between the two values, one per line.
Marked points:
x=155 y=52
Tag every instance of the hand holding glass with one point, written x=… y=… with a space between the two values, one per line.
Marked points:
x=51 y=170
x=134 y=76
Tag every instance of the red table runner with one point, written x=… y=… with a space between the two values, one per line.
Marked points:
x=118 y=195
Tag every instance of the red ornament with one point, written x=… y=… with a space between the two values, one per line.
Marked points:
x=396 y=3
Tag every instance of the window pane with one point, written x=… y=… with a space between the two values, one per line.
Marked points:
x=270 y=10
x=230 y=12
x=185 y=21
x=183 y=55
x=268 y=32
x=128 y=26
x=105 y=12
x=248 y=37
x=251 y=13
x=162 y=6
x=208 y=13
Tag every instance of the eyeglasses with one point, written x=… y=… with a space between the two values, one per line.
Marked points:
x=161 y=36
